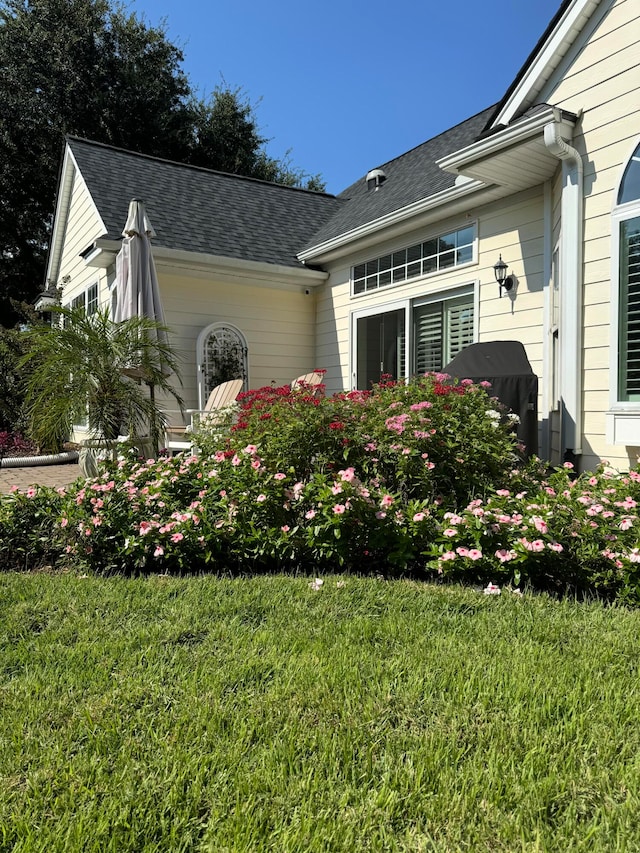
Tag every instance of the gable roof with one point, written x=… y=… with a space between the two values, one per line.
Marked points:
x=411 y=177
x=200 y=210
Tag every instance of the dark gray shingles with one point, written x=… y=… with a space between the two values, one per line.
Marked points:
x=201 y=210
x=411 y=177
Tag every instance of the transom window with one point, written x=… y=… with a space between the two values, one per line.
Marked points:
x=438 y=253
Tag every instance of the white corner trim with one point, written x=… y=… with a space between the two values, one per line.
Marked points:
x=395 y=217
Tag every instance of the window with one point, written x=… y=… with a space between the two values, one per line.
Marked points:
x=222 y=355
x=87 y=300
x=628 y=222
x=434 y=255
x=411 y=337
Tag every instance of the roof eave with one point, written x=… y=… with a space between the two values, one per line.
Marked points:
x=508 y=137
x=545 y=58
x=396 y=217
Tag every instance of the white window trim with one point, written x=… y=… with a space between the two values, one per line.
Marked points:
x=407 y=304
x=419 y=278
x=202 y=337
x=623 y=417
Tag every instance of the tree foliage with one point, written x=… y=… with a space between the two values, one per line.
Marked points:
x=89 y=68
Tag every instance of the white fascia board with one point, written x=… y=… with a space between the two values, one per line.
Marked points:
x=199 y=262
x=547 y=59
x=510 y=137
x=396 y=217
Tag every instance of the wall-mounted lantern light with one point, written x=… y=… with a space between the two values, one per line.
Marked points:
x=504 y=281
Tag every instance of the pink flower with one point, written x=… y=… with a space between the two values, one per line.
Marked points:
x=145 y=527
x=177 y=537
x=219 y=456
x=159 y=551
x=31 y=492
x=255 y=464
x=339 y=509
x=279 y=476
x=336 y=488
x=450 y=531
x=261 y=498
x=504 y=493
x=540 y=524
x=474 y=554
x=504 y=556
x=380 y=515
x=625 y=524
x=466 y=381
x=425 y=404
x=448 y=555
x=348 y=475
x=310 y=514
x=236 y=459
x=537 y=545
x=386 y=501
x=485 y=384
x=250 y=449
x=285 y=528
x=463 y=552
x=555 y=546
x=64 y=521
x=492 y=589
x=419 y=516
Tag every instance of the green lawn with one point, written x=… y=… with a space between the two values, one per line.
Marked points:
x=256 y=714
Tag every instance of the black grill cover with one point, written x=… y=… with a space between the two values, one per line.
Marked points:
x=505 y=365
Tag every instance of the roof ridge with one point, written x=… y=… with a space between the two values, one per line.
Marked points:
x=72 y=138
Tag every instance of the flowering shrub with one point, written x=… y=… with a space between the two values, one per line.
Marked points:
x=416 y=477
x=13 y=444
x=566 y=532
x=424 y=439
x=29 y=535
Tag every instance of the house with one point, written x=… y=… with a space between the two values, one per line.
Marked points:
x=396 y=274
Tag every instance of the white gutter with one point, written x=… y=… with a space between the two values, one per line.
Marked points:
x=571 y=285
x=507 y=137
x=238 y=266
x=394 y=218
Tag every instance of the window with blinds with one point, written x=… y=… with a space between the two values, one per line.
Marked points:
x=440 y=331
x=629 y=344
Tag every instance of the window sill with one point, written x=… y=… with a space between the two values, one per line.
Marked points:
x=623 y=426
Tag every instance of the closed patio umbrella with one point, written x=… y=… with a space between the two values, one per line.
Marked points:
x=136 y=285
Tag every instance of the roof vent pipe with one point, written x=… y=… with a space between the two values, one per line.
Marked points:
x=375 y=178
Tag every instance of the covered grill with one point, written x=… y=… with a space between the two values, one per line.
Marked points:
x=505 y=365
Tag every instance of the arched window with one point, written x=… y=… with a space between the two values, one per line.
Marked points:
x=221 y=355
x=627 y=253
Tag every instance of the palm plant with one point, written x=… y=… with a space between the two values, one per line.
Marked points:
x=81 y=368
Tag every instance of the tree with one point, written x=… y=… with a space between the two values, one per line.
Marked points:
x=80 y=367
x=88 y=68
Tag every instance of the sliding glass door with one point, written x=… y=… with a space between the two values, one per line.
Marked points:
x=421 y=336
x=380 y=347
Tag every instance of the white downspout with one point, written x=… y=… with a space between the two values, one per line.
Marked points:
x=571 y=285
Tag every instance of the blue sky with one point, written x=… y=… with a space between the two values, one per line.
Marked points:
x=346 y=85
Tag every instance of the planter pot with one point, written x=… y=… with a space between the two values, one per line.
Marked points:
x=94 y=451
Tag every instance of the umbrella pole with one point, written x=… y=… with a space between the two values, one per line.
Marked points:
x=154 y=424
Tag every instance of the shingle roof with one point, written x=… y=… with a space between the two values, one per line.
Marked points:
x=409 y=178
x=201 y=210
